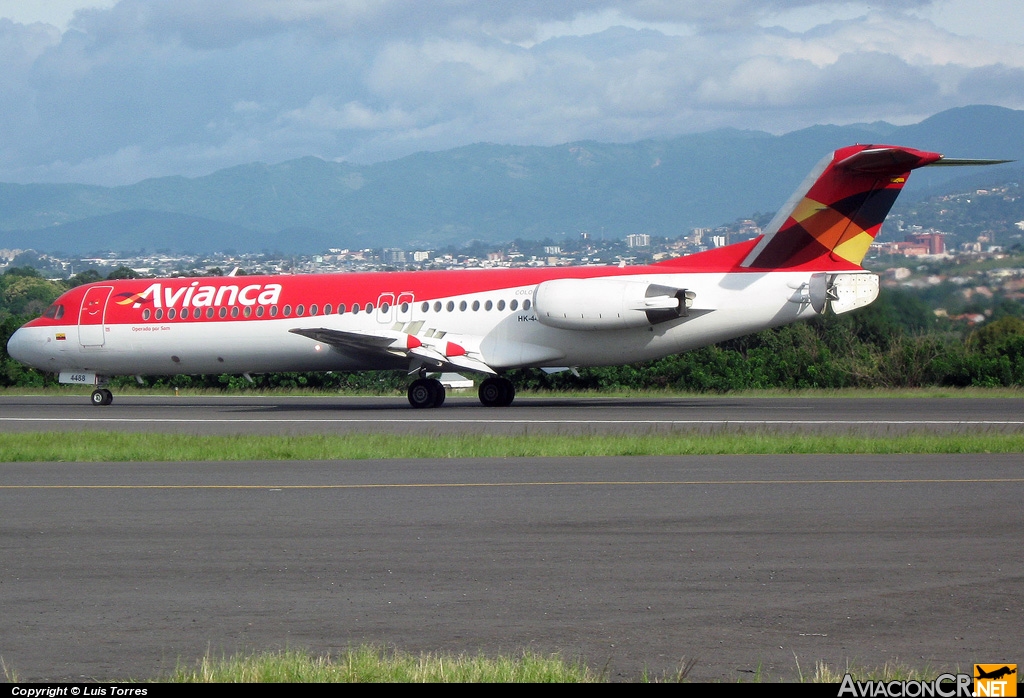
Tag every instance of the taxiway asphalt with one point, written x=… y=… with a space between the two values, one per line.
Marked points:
x=745 y=563
x=529 y=415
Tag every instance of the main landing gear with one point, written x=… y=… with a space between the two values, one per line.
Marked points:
x=497 y=392
x=426 y=392
x=494 y=392
x=101 y=397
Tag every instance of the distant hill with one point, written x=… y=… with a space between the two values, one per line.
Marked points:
x=483 y=191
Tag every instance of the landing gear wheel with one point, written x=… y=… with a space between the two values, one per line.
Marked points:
x=497 y=392
x=102 y=397
x=439 y=393
x=426 y=392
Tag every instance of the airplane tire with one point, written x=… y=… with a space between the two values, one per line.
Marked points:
x=510 y=393
x=439 y=394
x=102 y=397
x=496 y=392
x=426 y=392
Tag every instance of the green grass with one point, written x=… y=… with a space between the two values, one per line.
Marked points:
x=890 y=671
x=370 y=664
x=115 y=446
x=373 y=664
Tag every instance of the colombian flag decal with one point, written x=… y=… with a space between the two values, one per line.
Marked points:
x=61 y=336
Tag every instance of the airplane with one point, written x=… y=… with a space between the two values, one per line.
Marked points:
x=806 y=262
x=995 y=673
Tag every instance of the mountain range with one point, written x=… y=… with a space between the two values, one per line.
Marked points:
x=484 y=191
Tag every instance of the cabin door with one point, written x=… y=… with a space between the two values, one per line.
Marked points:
x=92 y=315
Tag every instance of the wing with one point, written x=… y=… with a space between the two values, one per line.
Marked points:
x=420 y=352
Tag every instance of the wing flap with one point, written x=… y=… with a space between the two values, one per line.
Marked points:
x=400 y=344
x=347 y=340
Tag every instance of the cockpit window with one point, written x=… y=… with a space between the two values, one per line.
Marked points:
x=54 y=312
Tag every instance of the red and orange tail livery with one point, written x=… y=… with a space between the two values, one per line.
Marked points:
x=835 y=215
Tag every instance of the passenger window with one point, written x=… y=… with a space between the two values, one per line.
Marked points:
x=298 y=311
x=234 y=311
x=327 y=309
x=476 y=305
x=259 y=311
x=437 y=306
x=223 y=312
x=287 y=310
x=501 y=305
x=145 y=314
x=170 y=313
x=355 y=308
x=369 y=307
x=451 y=306
x=341 y=308
x=209 y=312
x=273 y=311
x=488 y=305
x=312 y=310
x=513 y=305
x=248 y=311
x=526 y=305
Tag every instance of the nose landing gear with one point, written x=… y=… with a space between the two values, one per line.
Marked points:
x=101 y=397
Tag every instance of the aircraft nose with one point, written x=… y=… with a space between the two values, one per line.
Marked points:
x=24 y=347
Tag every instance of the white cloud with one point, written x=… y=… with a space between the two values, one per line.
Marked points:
x=993 y=21
x=321 y=114
x=149 y=87
x=57 y=13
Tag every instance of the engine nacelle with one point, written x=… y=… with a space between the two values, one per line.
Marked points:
x=607 y=304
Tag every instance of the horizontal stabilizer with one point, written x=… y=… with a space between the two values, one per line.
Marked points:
x=960 y=162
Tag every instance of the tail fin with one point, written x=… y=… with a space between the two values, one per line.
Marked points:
x=837 y=212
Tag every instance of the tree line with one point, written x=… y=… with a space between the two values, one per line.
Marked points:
x=896 y=342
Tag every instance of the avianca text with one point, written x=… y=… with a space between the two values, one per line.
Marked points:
x=197 y=296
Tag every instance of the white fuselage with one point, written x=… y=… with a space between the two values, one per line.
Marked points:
x=726 y=305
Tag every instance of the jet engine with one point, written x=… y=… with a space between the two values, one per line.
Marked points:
x=608 y=304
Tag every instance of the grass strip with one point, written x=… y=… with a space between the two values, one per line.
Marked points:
x=117 y=446
x=374 y=664
x=370 y=664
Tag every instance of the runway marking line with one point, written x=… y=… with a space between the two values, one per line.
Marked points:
x=602 y=483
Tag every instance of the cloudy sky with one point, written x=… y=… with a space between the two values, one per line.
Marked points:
x=114 y=91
